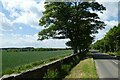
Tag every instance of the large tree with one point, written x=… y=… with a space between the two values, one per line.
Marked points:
x=76 y=21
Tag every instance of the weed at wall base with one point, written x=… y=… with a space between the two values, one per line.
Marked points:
x=51 y=74
x=65 y=69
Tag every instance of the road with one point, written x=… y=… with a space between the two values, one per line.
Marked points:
x=107 y=66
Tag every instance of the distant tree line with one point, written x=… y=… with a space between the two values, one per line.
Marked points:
x=111 y=41
x=32 y=49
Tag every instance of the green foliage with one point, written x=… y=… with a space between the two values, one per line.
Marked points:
x=71 y=20
x=85 y=69
x=53 y=74
x=114 y=53
x=27 y=49
x=65 y=68
x=111 y=41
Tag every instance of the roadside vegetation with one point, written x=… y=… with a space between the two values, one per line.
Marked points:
x=110 y=44
x=84 y=69
x=15 y=62
x=114 y=53
x=65 y=68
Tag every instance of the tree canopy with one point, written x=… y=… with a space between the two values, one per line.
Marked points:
x=111 y=41
x=75 y=21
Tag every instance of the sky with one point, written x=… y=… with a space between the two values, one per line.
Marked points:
x=19 y=21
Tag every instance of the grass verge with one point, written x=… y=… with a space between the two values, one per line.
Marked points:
x=85 y=69
x=114 y=53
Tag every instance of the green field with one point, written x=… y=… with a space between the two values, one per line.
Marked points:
x=11 y=60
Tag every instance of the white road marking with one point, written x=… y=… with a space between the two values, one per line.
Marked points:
x=114 y=62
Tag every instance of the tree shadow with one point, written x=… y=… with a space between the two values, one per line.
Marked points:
x=97 y=55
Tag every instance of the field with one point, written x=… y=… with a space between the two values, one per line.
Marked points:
x=11 y=60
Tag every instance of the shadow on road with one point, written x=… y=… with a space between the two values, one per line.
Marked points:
x=107 y=66
x=98 y=55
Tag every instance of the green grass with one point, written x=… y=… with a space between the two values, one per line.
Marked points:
x=16 y=61
x=114 y=53
x=85 y=69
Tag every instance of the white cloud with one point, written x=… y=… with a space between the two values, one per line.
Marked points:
x=101 y=34
x=26 y=12
x=111 y=11
x=5 y=23
x=16 y=40
x=23 y=5
x=110 y=17
x=28 y=18
x=111 y=23
x=20 y=28
x=107 y=0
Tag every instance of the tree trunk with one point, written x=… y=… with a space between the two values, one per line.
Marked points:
x=112 y=48
x=79 y=50
x=75 y=49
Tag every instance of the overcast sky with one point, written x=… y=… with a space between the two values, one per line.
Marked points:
x=19 y=23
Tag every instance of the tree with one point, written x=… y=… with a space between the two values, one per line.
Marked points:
x=111 y=41
x=71 y=20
